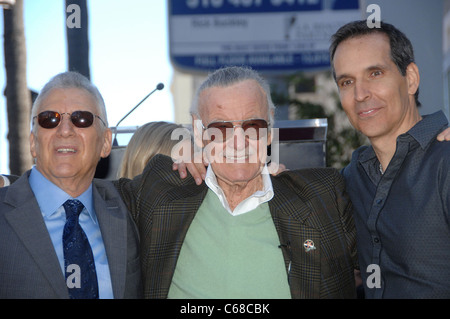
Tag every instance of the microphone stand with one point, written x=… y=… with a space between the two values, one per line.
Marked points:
x=159 y=87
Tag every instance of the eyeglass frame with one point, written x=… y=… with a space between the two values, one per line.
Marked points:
x=62 y=117
x=234 y=126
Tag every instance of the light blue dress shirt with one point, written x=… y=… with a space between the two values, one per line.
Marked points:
x=50 y=199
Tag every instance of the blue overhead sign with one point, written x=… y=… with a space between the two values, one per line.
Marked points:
x=268 y=35
x=237 y=6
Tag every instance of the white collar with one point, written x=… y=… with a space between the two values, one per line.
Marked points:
x=248 y=204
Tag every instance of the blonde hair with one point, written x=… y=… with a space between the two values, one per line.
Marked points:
x=148 y=140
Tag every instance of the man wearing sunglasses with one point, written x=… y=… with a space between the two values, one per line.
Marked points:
x=63 y=234
x=243 y=233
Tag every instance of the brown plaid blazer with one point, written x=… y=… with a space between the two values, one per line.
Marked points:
x=309 y=204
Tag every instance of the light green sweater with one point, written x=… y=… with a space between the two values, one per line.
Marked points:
x=225 y=256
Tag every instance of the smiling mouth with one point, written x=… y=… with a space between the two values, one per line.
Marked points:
x=237 y=155
x=66 y=150
x=249 y=156
x=236 y=159
x=368 y=112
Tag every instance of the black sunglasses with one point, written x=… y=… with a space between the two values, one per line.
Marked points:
x=81 y=119
x=259 y=127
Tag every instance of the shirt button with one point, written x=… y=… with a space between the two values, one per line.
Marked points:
x=376 y=240
x=379 y=201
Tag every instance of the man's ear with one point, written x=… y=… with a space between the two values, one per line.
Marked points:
x=32 y=140
x=107 y=143
x=269 y=130
x=413 y=77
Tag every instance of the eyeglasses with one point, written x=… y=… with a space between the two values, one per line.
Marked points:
x=81 y=119
x=255 y=128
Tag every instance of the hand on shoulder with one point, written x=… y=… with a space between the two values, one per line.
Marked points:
x=444 y=135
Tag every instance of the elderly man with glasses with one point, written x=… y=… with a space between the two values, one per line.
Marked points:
x=62 y=233
x=243 y=233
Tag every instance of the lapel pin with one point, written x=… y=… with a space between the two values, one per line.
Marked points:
x=309 y=245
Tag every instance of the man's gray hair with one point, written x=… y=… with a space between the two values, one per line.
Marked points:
x=228 y=76
x=69 y=80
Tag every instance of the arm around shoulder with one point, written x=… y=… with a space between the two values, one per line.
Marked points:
x=444 y=135
x=4 y=181
x=345 y=208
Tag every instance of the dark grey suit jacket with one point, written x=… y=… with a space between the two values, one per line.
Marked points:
x=29 y=267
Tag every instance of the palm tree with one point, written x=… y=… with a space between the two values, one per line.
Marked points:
x=18 y=97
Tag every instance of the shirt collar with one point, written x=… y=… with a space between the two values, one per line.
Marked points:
x=424 y=132
x=50 y=197
x=250 y=203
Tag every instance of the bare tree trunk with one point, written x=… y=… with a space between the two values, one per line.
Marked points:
x=18 y=97
x=77 y=36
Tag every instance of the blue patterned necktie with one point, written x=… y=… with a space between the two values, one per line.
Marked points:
x=79 y=266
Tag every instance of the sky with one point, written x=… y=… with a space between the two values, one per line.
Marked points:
x=129 y=56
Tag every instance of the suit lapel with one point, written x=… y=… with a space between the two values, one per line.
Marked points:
x=291 y=216
x=26 y=220
x=289 y=203
x=112 y=223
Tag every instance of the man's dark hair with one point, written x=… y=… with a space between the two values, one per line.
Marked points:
x=402 y=52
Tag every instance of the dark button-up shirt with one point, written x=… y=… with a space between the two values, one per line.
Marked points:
x=402 y=216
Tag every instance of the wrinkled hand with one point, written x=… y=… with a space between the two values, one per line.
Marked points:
x=2 y=183
x=358 y=278
x=444 y=135
x=197 y=170
x=192 y=163
x=281 y=168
